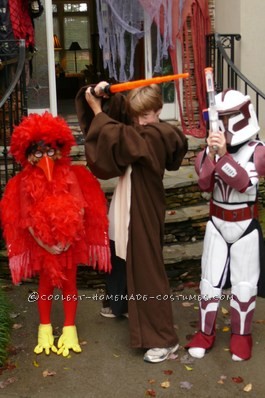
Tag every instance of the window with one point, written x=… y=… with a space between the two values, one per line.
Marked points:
x=71 y=24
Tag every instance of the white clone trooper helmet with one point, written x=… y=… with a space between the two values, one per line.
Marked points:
x=243 y=123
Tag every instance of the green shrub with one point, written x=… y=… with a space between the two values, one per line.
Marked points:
x=5 y=326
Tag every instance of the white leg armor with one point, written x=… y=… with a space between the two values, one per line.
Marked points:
x=208 y=306
x=244 y=279
x=214 y=258
x=213 y=276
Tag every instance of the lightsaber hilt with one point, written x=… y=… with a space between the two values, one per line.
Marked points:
x=213 y=114
x=105 y=90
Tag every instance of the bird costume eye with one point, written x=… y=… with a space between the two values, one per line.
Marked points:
x=39 y=153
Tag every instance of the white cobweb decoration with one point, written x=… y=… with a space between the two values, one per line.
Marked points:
x=122 y=23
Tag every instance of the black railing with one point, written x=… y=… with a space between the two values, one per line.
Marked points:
x=221 y=57
x=13 y=101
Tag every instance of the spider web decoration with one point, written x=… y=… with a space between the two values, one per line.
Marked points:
x=122 y=23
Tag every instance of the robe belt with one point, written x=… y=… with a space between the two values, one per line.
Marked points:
x=242 y=214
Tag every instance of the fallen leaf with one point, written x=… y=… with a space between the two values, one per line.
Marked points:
x=248 y=387
x=190 y=284
x=47 y=372
x=188 y=367
x=187 y=304
x=10 y=366
x=221 y=380
x=35 y=363
x=184 y=275
x=14 y=315
x=260 y=321
x=226 y=349
x=225 y=311
x=5 y=383
x=150 y=393
x=225 y=329
x=83 y=342
x=186 y=385
x=196 y=307
x=116 y=355
x=17 y=326
x=237 y=379
x=151 y=381
x=168 y=372
x=165 y=384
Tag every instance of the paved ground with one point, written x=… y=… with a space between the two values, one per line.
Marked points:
x=108 y=368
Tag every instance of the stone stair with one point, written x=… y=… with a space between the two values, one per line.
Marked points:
x=192 y=249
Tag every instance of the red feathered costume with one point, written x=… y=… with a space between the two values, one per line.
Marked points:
x=54 y=217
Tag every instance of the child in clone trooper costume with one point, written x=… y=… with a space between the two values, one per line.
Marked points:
x=230 y=167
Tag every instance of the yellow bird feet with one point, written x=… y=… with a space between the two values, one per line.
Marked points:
x=45 y=340
x=68 y=340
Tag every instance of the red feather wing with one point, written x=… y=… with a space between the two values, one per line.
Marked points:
x=95 y=218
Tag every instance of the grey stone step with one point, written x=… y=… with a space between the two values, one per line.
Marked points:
x=182 y=252
x=185 y=176
x=180 y=214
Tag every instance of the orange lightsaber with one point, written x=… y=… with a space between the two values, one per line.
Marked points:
x=116 y=88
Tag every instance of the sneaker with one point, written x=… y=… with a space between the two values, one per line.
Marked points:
x=107 y=313
x=155 y=355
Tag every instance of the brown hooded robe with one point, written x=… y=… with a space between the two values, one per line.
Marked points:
x=110 y=147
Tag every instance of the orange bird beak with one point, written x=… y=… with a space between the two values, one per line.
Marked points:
x=46 y=164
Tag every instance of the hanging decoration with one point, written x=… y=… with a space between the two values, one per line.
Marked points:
x=121 y=24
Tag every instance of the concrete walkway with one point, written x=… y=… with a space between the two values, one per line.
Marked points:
x=109 y=368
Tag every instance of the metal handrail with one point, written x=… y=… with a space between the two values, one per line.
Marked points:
x=19 y=70
x=227 y=75
x=13 y=103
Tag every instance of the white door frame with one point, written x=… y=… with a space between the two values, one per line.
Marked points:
x=50 y=55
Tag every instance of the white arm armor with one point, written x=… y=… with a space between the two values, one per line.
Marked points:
x=228 y=197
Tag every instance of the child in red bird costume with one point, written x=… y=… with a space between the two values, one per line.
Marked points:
x=54 y=217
